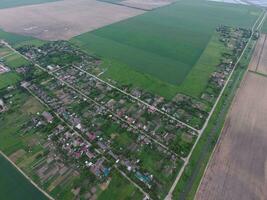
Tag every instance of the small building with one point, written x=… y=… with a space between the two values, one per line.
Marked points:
x=2 y=106
x=48 y=117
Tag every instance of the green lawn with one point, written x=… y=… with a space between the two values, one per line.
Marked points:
x=16 y=3
x=8 y=79
x=164 y=44
x=120 y=189
x=15 y=60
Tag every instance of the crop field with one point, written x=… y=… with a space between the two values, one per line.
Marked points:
x=141 y=4
x=16 y=40
x=164 y=46
x=15 y=60
x=238 y=165
x=10 y=142
x=63 y=19
x=8 y=79
x=258 y=61
x=9 y=179
x=15 y=3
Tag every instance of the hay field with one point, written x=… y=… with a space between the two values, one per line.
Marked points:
x=63 y=19
x=237 y=169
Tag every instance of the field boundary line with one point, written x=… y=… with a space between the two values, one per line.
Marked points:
x=26 y=176
x=5 y=56
x=169 y=195
x=258 y=73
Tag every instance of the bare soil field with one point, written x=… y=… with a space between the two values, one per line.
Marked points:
x=146 y=4
x=238 y=167
x=258 y=62
x=63 y=19
x=257 y=53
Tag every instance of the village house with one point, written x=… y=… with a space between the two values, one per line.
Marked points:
x=48 y=117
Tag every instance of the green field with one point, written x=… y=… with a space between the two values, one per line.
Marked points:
x=15 y=3
x=11 y=141
x=9 y=180
x=8 y=79
x=18 y=40
x=120 y=189
x=164 y=45
x=15 y=60
x=188 y=184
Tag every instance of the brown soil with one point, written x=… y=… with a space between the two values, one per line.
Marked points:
x=238 y=168
x=259 y=59
x=63 y=19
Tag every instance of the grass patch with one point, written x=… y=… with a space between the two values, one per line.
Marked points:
x=17 y=40
x=120 y=189
x=9 y=78
x=15 y=61
x=12 y=122
x=4 y=51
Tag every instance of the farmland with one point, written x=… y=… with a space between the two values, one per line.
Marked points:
x=16 y=3
x=9 y=180
x=117 y=112
x=140 y=44
x=74 y=18
x=14 y=61
x=258 y=61
x=8 y=79
x=240 y=147
x=16 y=39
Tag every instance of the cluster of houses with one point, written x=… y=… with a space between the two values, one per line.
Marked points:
x=3 y=69
x=234 y=39
x=72 y=71
x=92 y=141
x=3 y=107
x=97 y=147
